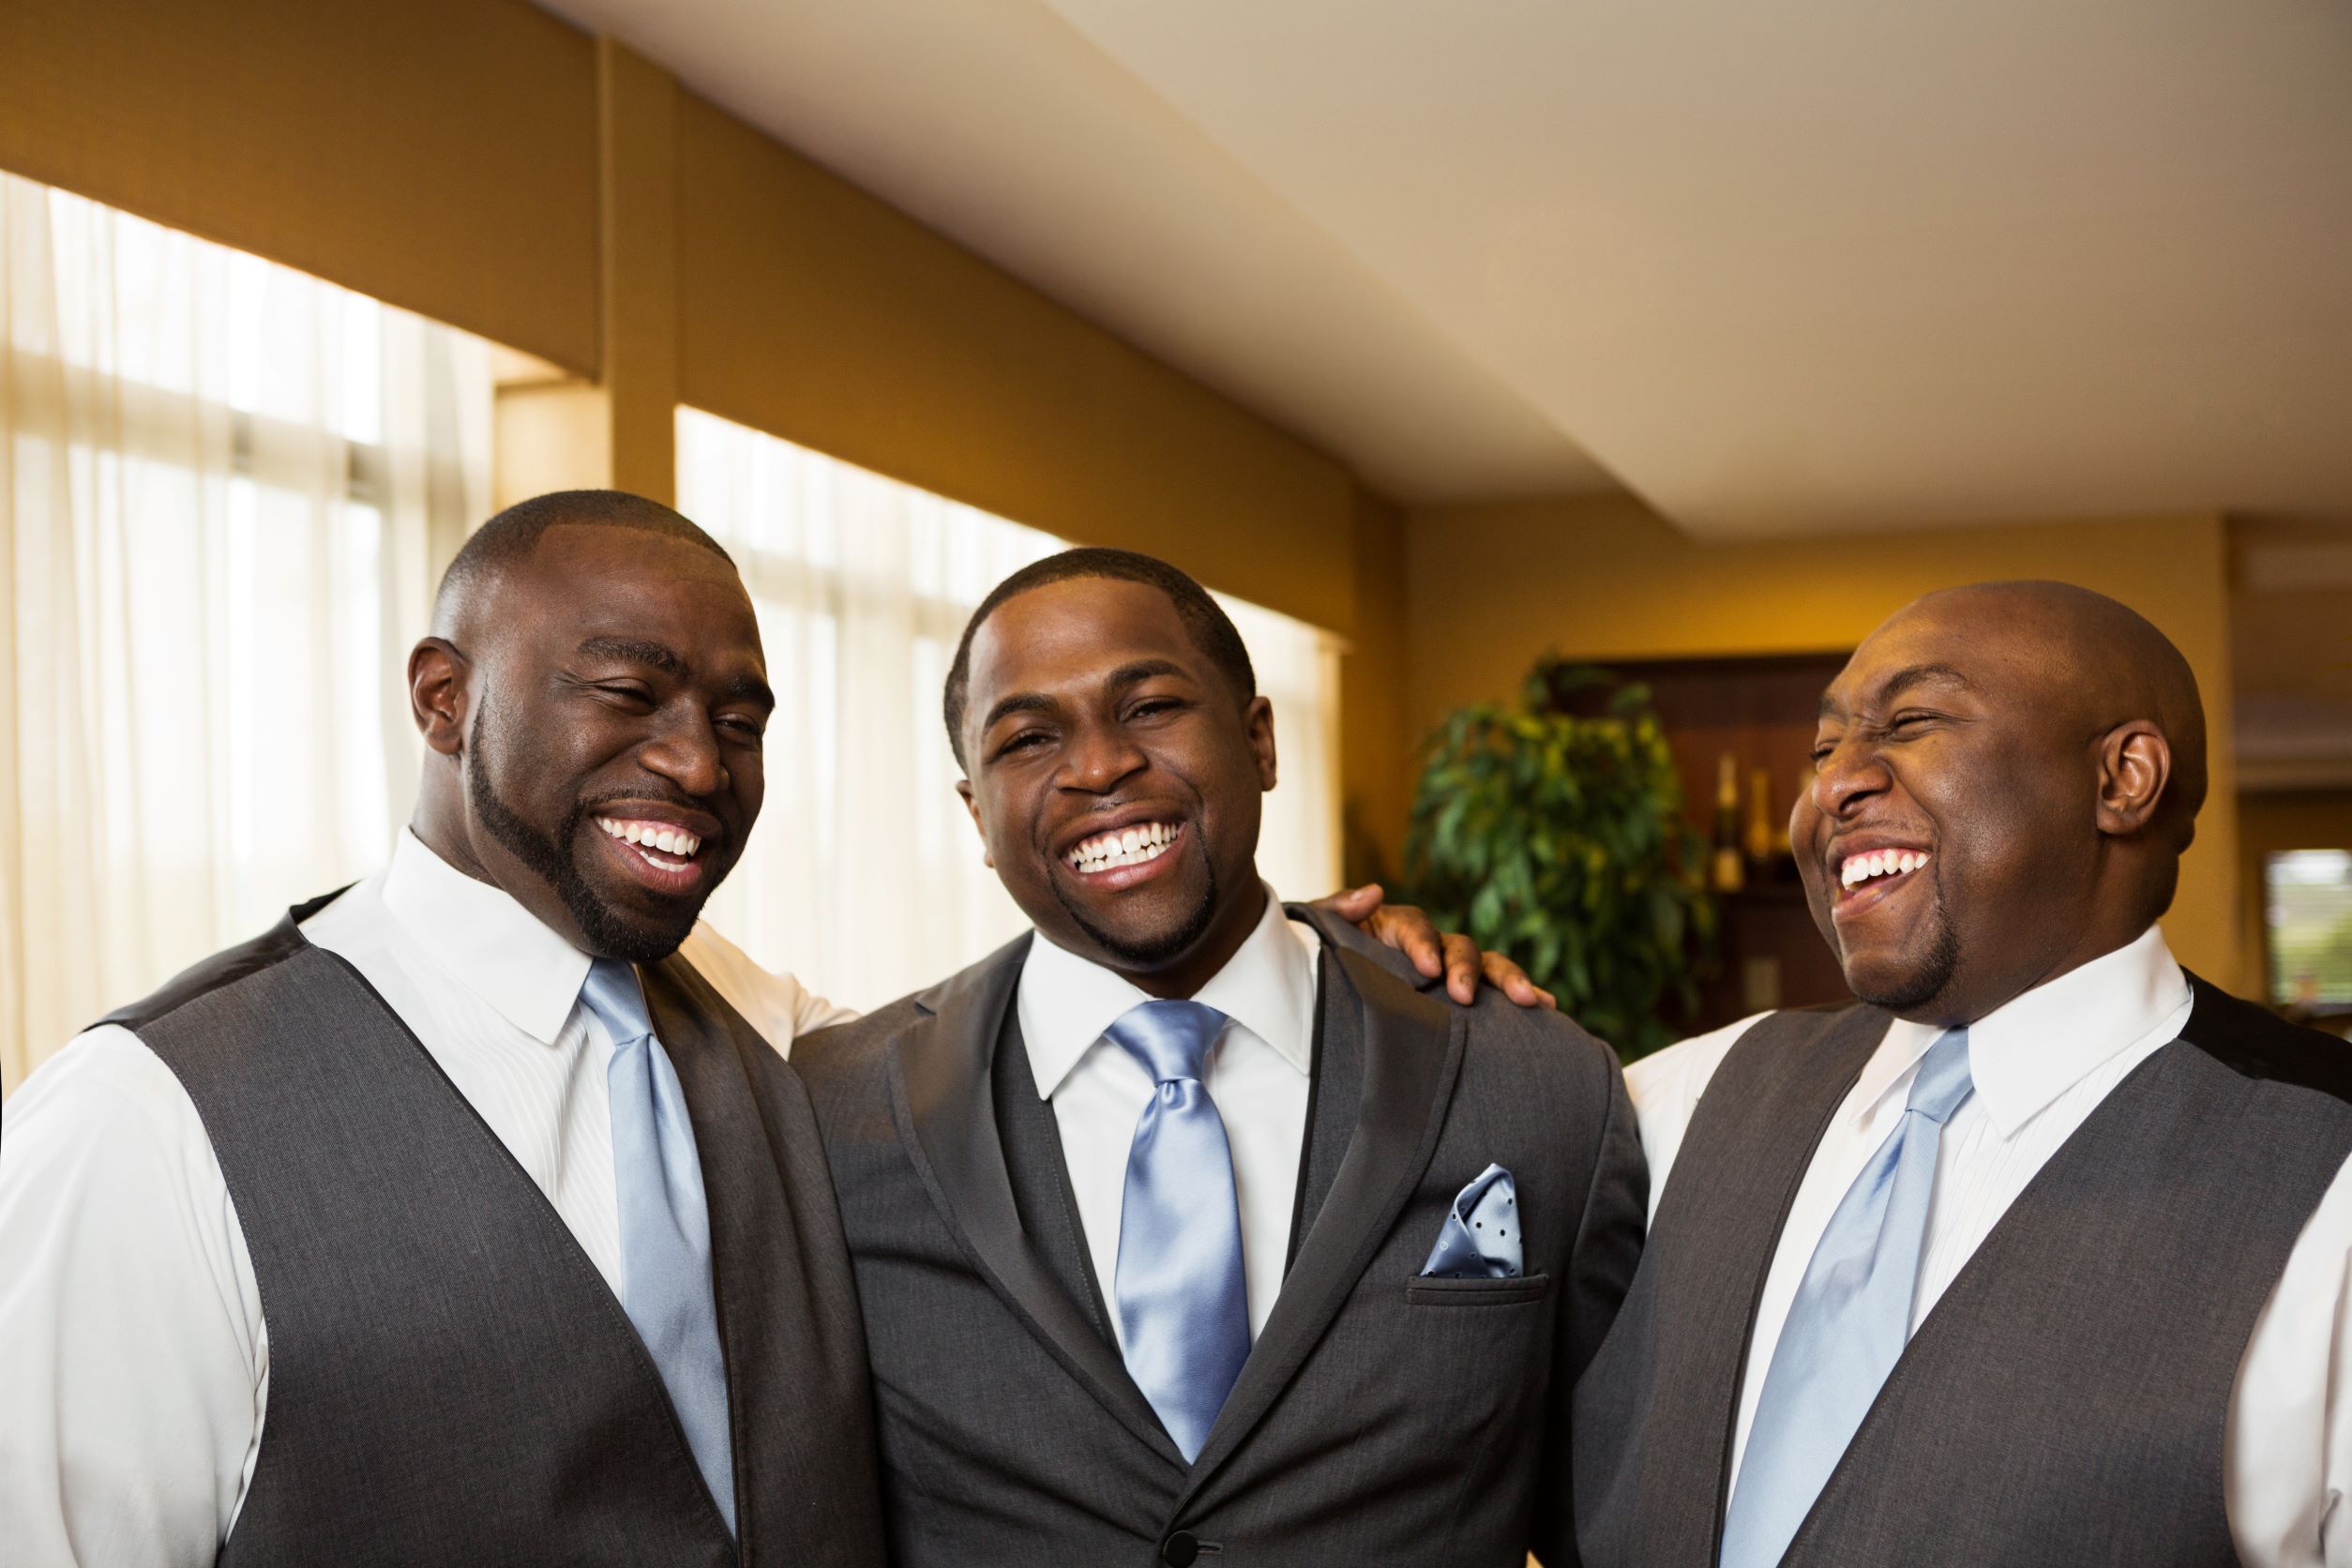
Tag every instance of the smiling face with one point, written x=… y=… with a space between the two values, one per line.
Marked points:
x=1115 y=779
x=1951 y=846
x=611 y=765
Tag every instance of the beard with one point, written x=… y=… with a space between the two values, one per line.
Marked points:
x=555 y=860
x=1155 y=952
x=1926 y=983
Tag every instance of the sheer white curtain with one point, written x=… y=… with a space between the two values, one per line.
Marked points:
x=865 y=876
x=226 y=488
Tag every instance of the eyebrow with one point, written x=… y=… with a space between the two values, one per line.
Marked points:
x=1118 y=680
x=636 y=651
x=1904 y=680
x=1143 y=670
x=653 y=655
x=1020 y=703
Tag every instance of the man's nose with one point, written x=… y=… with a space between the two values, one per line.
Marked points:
x=685 y=753
x=1850 y=774
x=1097 y=758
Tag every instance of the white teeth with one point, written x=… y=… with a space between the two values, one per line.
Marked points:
x=652 y=836
x=1131 y=846
x=1860 y=868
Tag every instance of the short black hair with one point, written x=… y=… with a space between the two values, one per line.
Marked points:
x=508 y=539
x=1205 y=621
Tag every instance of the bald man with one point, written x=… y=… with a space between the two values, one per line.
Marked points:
x=2038 y=1255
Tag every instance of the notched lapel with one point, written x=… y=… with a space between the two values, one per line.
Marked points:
x=946 y=1117
x=1412 y=1054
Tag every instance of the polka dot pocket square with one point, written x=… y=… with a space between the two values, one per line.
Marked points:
x=1481 y=1237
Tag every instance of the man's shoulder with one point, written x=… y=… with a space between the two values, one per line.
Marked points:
x=841 y=1047
x=1536 y=1039
x=1550 y=1041
x=2256 y=1043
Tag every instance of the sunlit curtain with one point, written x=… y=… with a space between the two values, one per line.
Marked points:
x=865 y=877
x=226 y=490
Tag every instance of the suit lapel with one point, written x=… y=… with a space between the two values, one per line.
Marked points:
x=946 y=1113
x=1413 y=1051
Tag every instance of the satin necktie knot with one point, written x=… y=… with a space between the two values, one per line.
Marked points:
x=1944 y=1079
x=612 y=994
x=1170 y=1038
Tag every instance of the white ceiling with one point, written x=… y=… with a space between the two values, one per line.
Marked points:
x=996 y=124
x=1822 y=264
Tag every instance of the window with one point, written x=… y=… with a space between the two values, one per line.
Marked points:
x=2308 y=902
x=226 y=490
x=865 y=877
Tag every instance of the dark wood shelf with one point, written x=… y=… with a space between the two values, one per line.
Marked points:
x=1761 y=712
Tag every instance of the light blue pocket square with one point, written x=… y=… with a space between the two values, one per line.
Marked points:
x=1481 y=1237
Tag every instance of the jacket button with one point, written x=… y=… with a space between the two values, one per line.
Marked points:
x=1178 y=1549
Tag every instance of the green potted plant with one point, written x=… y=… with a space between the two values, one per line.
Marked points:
x=1552 y=829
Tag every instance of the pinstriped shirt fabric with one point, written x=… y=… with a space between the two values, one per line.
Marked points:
x=2042 y=1064
x=131 y=1432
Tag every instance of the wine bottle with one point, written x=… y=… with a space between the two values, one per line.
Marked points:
x=1762 y=865
x=1728 y=872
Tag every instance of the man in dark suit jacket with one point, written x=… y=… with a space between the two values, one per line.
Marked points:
x=1268 y=1302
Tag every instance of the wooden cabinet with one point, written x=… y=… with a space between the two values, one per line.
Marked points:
x=1760 y=712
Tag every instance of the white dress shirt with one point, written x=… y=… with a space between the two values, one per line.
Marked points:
x=134 y=1359
x=2042 y=1064
x=1257 y=1074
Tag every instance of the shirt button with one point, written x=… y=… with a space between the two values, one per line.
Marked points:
x=1178 y=1549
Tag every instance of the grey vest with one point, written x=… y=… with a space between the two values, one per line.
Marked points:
x=451 y=1381
x=2064 y=1402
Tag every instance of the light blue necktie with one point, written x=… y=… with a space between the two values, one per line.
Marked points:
x=1183 y=1303
x=665 y=1225
x=1849 y=1322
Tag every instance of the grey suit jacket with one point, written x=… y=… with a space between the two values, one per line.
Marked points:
x=1381 y=1418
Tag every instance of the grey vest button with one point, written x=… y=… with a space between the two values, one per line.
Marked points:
x=1178 y=1549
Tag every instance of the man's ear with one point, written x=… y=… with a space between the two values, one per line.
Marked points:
x=972 y=804
x=1258 y=719
x=437 y=695
x=2134 y=767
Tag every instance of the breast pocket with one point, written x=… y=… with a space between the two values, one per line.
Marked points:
x=1424 y=1292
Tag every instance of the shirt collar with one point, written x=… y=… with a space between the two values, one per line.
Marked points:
x=482 y=937
x=1067 y=1003
x=2034 y=1047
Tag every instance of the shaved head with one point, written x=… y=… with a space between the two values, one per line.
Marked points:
x=2007 y=774
x=510 y=541
x=2102 y=662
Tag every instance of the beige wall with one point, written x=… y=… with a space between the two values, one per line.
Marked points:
x=1491 y=587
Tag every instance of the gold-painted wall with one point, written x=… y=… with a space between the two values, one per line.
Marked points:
x=438 y=154
x=1375 y=743
x=1491 y=587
